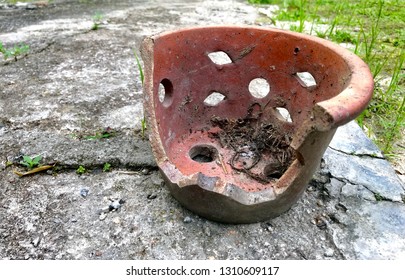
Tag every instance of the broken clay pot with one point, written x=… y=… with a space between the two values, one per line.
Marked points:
x=239 y=117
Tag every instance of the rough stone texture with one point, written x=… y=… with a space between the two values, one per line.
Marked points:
x=375 y=174
x=76 y=82
x=345 y=142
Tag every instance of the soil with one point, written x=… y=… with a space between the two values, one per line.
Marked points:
x=253 y=141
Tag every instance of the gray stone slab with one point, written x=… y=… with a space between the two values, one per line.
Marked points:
x=126 y=150
x=373 y=231
x=349 y=190
x=351 y=140
x=377 y=175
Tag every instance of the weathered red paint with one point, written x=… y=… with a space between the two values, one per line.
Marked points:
x=179 y=62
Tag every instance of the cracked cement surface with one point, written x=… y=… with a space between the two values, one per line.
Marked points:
x=77 y=82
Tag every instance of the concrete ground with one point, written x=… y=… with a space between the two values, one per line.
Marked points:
x=78 y=84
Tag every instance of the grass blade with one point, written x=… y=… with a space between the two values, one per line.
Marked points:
x=139 y=67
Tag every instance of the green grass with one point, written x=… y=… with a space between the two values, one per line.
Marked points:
x=106 y=167
x=15 y=51
x=31 y=162
x=81 y=170
x=375 y=31
x=378 y=197
x=142 y=77
x=105 y=133
x=138 y=63
x=143 y=127
x=97 y=20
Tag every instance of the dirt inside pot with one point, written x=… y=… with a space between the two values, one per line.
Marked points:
x=253 y=141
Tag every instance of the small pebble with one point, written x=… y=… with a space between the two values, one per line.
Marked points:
x=320 y=222
x=151 y=196
x=187 y=220
x=207 y=231
x=84 y=192
x=329 y=252
x=320 y=203
x=115 y=205
x=31 y=7
x=310 y=188
x=145 y=171
x=104 y=210
x=267 y=226
x=98 y=253
x=36 y=241
x=102 y=216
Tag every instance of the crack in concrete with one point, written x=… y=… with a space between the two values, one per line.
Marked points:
x=329 y=233
x=378 y=196
x=39 y=50
x=141 y=169
x=332 y=219
x=329 y=237
x=118 y=167
x=48 y=44
x=357 y=155
x=346 y=181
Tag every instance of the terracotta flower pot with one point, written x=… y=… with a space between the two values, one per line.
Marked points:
x=239 y=117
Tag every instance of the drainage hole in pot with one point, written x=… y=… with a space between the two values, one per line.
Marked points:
x=259 y=88
x=220 y=58
x=305 y=79
x=283 y=114
x=272 y=172
x=214 y=99
x=203 y=153
x=165 y=92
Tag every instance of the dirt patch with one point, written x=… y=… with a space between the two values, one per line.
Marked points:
x=253 y=141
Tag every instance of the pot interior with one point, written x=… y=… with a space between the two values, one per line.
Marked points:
x=228 y=101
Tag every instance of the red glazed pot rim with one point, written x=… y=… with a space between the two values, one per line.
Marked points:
x=342 y=108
